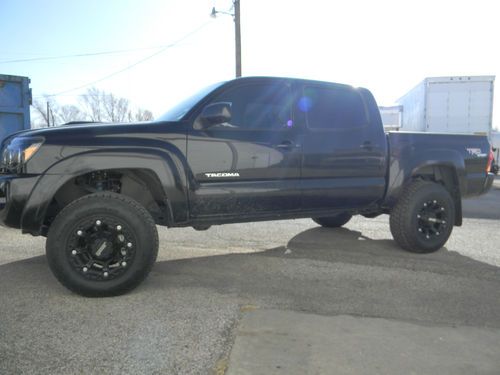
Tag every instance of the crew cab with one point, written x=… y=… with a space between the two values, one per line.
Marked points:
x=254 y=148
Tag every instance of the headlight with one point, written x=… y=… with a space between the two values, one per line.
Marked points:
x=18 y=151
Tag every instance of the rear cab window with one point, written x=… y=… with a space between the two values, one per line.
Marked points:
x=332 y=107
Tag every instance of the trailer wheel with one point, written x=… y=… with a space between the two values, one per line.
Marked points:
x=422 y=220
x=103 y=244
x=333 y=221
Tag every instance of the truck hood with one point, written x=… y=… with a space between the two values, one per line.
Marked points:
x=75 y=127
x=69 y=140
x=86 y=130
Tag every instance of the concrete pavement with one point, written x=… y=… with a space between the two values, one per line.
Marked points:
x=286 y=342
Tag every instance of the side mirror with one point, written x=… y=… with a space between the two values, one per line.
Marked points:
x=216 y=113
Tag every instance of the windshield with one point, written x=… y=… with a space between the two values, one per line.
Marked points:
x=178 y=111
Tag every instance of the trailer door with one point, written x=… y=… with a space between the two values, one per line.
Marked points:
x=459 y=107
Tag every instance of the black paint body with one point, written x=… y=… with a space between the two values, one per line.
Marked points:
x=292 y=172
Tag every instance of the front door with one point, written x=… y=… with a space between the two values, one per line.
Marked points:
x=250 y=164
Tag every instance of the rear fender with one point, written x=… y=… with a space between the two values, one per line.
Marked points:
x=445 y=165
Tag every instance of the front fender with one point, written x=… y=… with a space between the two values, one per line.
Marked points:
x=168 y=167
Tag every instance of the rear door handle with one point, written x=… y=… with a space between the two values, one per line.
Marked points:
x=286 y=145
x=367 y=145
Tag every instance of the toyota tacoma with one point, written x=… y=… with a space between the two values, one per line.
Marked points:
x=254 y=148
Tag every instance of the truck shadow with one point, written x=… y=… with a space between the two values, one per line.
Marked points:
x=352 y=247
x=325 y=271
x=339 y=245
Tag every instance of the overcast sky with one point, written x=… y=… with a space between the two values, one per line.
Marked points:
x=387 y=46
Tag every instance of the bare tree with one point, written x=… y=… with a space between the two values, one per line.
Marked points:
x=102 y=106
x=48 y=111
x=143 y=115
x=92 y=104
x=116 y=109
x=40 y=109
x=96 y=105
x=68 y=113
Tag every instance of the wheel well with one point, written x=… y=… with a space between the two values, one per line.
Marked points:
x=446 y=176
x=139 y=184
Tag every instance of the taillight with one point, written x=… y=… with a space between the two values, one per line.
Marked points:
x=490 y=161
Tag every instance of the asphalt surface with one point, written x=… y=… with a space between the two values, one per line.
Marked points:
x=188 y=314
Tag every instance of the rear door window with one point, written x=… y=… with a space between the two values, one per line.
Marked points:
x=332 y=108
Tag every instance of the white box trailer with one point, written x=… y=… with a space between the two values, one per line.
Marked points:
x=391 y=116
x=495 y=143
x=449 y=105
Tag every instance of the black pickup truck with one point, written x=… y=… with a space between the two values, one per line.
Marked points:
x=256 y=148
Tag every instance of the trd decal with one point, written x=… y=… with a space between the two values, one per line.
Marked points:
x=476 y=152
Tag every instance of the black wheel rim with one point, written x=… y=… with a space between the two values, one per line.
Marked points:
x=432 y=220
x=101 y=248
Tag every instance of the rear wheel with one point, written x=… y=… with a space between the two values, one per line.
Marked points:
x=333 y=221
x=102 y=244
x=422 y=220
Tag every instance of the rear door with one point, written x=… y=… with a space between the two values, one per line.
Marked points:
x=249 y=165
x=344 y=147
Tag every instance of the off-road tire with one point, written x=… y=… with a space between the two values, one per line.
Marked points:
x=410 y=229
x=333 y=221
x=139 y=233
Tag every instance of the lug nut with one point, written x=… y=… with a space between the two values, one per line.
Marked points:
x=85 y=269
x=118 y=227
x=437 y=233
x=434 y=202
x=124 y=264
x=418 y=216
x=98 y=222
x=425 y=204
x=105 y=274
x=129 y=245
x=80 y=233
x=74 y=252
x=427 y=236
x=420 y=229
x=442 y=208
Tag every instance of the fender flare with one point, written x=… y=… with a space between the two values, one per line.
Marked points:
x=169 y=169
x=412 y=162
x=440 y=158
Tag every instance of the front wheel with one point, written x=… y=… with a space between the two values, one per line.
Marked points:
x=422 y=220
x=103 y=244
x=333 y=221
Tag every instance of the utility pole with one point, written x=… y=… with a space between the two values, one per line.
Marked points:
x=237 y=32
x=237 y=36
x=53 y=118
x=48 y=114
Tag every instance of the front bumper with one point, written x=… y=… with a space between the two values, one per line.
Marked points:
x=14 y=193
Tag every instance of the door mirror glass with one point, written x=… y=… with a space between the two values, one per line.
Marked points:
x=216 y=113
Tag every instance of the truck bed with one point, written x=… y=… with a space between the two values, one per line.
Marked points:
x=412 y=151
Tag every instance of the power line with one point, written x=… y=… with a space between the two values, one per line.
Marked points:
x=136 y=63
x=88 y=54
x=70 y=95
